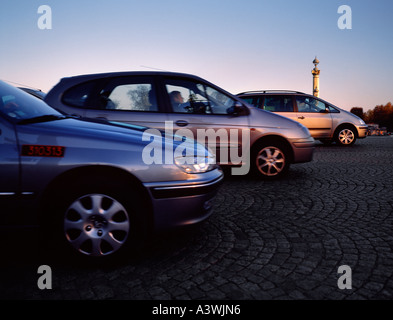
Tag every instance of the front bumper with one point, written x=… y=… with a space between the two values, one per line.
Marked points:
x=362 y=132
x=181 y=203
x=303 y=150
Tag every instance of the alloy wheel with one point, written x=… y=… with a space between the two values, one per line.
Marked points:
x=346 y=137
x=270 y=161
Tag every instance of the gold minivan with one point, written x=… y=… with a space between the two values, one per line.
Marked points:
x=325 y=121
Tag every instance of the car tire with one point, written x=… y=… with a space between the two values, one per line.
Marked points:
x=270 y=159
x=97 y=220
x=345 y=136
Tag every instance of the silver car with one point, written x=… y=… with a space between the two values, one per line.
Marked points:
x=325 y=121
x=87 y=182
x=240 y=135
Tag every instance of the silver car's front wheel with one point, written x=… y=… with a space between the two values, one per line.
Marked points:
x=96 y=225
x=271 y=159
x=346 y=137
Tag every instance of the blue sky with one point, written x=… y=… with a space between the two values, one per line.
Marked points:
x=238 y=45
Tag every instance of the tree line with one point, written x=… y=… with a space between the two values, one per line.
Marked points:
x=381 y=115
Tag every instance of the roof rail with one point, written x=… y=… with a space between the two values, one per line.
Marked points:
x=267 y=91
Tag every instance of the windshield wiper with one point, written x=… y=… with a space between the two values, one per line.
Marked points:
x=44 y=118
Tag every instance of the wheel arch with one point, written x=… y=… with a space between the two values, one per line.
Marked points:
x=80 y=173
x=346 y=125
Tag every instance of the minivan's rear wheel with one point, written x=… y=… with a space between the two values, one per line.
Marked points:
x=271 y=160
x=345 y=136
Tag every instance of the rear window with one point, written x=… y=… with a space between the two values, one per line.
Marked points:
x=277 y=103
x=250 y=100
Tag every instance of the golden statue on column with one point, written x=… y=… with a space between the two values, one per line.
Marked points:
x=315 y=72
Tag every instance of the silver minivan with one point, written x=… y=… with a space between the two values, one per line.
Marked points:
x=325 y=121
x=240 y=135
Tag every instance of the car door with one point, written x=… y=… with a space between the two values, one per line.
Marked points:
x=9 y=167
x=314 y=114
x=132 y=100
x=208 y=114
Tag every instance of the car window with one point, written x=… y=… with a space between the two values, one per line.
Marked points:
x=308 y=104
x=78 y=96
x=253 y=100
x=276 y=103
x=332 y=110
x=131 y=97
x=192 y=97
x=122 y=94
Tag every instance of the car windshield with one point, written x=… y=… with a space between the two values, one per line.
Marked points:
x=19 y=106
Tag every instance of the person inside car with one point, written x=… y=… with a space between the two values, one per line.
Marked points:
x=177 y=100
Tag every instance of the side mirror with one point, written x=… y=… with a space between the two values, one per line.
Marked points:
x=325 y=111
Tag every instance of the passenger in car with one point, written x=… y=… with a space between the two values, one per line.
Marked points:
x=176 y=100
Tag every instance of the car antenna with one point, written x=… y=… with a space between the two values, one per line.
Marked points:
x=152 y=68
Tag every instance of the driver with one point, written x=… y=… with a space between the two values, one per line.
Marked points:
x=176 y=100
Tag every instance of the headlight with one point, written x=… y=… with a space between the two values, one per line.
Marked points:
x=362 y=122
x=196 y=164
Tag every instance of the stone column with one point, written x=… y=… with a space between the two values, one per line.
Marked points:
x=315 y=72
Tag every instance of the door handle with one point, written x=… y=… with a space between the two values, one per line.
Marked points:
x=300 y=117
x=181 y=123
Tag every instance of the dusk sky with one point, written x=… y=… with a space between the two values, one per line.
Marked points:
x=237 y=45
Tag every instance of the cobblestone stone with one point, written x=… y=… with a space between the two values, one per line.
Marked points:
x=266 y=240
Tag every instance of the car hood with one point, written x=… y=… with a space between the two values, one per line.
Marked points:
x=95 y=130
x=80 y=127
x=349 y=115
x=119 y=136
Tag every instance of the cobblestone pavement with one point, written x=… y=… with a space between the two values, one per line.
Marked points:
x=270 y=240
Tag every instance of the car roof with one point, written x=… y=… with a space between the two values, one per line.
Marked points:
x=92 y=76
x=257 y=92
x=70 y=81
x=270 y=91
